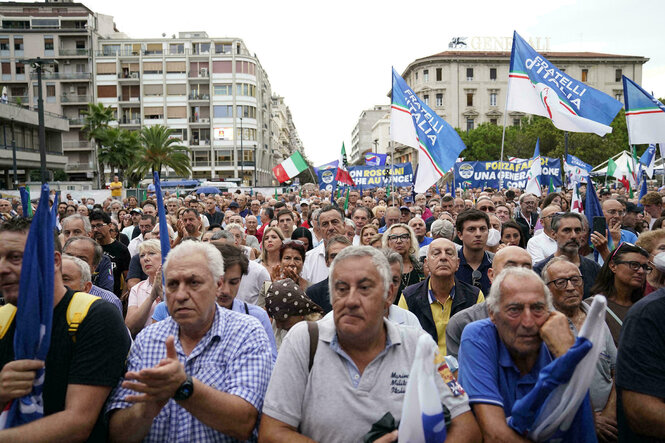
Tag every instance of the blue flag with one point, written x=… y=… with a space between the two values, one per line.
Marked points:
x=593 y=208
x=643 y=192
x=164 y=238
x=372 y=159
x=34 y=312
x=574 y=161
x=645 y=115
x=648 y=160
x=452 y=192
x=415 y=124
x=54 y=209
x=537 y=87
x=25 y=201
x=331 y=165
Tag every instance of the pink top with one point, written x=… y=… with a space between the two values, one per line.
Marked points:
x=138 y=294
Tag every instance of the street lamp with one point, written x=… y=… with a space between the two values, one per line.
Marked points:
x=255 y=164
x=37 y=64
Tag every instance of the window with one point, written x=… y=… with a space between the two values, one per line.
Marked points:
x=222 y=111
x=222 y=67
x=176 y=89
x=50 y=92
x=224 y=157
x=439 y=99
x=153 y=48
x=469 y=74
x=246 y=111
x=80 y=44
x=617 y=75
x=469 y=99
x=176 y=48
x=426 y=99
x=18 y=44
x=585 y=75
x=153 y=90
x=110 y=49
x=245 y=68
x=153 y=112
x=176 y=67
x=493 y=99
x=469 y=124
x=106 y=68
x=249 y=134
x=176 y=112
x=48 y=43
x=246 y=90
x=4 y=44
x=222 y=48
x=618 y=96
x=106 y=91
x=6 y=70
x=225 y=89
x=426 y=75
x=439 y=74
x=20 y=68
x=152 y=67
x=492 y=73
x=494 y=121
x=517 y=121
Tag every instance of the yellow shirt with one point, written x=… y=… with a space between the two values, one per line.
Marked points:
x=440 y=313
x=116 y=189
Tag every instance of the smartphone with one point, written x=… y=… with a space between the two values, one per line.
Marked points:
x=600 y=225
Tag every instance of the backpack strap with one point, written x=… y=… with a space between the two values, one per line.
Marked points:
x=77 y=310
x=313 y=329
x=7 y=314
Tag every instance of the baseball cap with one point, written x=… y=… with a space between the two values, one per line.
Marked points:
x=139 y=210
x=234 y=205
x=405 y=208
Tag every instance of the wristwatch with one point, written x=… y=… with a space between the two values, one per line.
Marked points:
x=185 y=390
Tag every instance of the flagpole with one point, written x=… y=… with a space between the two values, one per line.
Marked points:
x=392 y=166
x=503 y=135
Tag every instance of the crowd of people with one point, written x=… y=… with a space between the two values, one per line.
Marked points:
x=295 y=317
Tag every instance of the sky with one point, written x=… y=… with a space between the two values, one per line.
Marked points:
x=332 y=60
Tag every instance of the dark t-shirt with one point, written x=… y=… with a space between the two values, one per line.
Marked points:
x=641 y=358
x=97 y=358
x=120 y=257
x=135 y=269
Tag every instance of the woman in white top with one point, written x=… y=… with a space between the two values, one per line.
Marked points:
x=144 y=297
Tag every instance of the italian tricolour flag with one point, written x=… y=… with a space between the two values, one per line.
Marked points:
x=290 y=167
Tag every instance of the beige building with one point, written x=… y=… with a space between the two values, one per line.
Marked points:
x=64 y=33
x=362 y=141
x=284 y=134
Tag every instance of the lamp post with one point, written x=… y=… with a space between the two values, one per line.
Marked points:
x=37 y=64
x=256 y=162
x=242 y=157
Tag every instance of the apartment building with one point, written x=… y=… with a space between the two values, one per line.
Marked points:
x=361 y=136
x=212 y=92
x=284 y=133
x=63 y=33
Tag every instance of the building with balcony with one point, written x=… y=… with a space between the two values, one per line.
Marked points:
x=284 y=134
x=212 y=91
x=65 y=33
x=19 y=139
x=362 y=141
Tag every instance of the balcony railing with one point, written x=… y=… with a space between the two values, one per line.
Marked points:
x=75 y=98
x=129 y=99
x=204 y=120
x=62 y=75
x=198 y=142
x=130 y=121
x=79 y=121
x=200 y=163
x=194 y=96
x=74 y=52
x=77 y=145
x=79 y=167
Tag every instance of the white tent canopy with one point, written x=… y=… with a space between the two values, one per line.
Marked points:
x=623 y=159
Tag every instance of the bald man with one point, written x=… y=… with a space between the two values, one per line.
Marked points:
x=542 y=245
x=511 y=256
x=441 y=295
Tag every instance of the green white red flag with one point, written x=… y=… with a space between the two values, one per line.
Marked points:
x=289 y=168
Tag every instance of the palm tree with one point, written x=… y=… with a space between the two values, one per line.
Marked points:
x=97 y=118
x=120 y=148
x=160 y=150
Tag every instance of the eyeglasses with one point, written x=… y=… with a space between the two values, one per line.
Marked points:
x=562 y=283
x=99 y=226
x=625 y=243
x=395 y=237
x=475 y=278
x=620 y=212
x=487 y=209
x=635 y=265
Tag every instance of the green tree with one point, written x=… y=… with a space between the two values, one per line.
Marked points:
x=120 y=148
x=160 y=150
x=97 y=118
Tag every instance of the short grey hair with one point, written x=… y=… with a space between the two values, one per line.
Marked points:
x=556 y=220
x=393 y=257
x=546 y=270
x=378 y=260
x=442 y=229
x=351 y=223
x=315 y=216
x=226 y=235
x=494 y=298
x=210 y=252
x=98 y=251
x=235 y=226
x=86 y=222
x=84 y=269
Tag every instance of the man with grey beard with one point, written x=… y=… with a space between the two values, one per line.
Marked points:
x=568 y=233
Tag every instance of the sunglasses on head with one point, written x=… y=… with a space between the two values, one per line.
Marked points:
x=624 y=244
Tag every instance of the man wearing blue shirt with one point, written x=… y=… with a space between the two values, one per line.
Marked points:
x=500 y=358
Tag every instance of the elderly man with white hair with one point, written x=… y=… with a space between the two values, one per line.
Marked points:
x=199 y=375
x=362 y=355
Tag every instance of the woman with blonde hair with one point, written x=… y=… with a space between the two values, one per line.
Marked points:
x=145 y=295
x=366 y=233
x=272 y=241
x=401 y=239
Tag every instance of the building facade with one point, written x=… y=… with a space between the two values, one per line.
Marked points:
x=65 y=34
x=362 y=140
x=283 y=130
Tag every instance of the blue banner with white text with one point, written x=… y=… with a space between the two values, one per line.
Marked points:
x=368 y=177
x=514 y=174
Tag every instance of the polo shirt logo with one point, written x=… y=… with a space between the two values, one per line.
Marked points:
x=398 y=383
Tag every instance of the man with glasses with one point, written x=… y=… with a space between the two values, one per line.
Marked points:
x=568 y=233
x=565 y=282
x=614 y=211
x=472 y=229
x=486 y=205
x=113 y=249
x=543 y=244
x=146 y=224
x=527 y=215
x=434 y=300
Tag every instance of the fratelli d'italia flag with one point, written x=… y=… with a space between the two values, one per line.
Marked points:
x=289 y=168
x=537 y=87
x=645 y=116
x=414 y=124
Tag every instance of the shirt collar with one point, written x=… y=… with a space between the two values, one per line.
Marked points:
x=486 y=259
x=506 y=361
x=328 y=334
x=430 y=293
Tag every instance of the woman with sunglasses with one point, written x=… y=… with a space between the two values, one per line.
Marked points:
x=622 y=280
x=401 y=239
